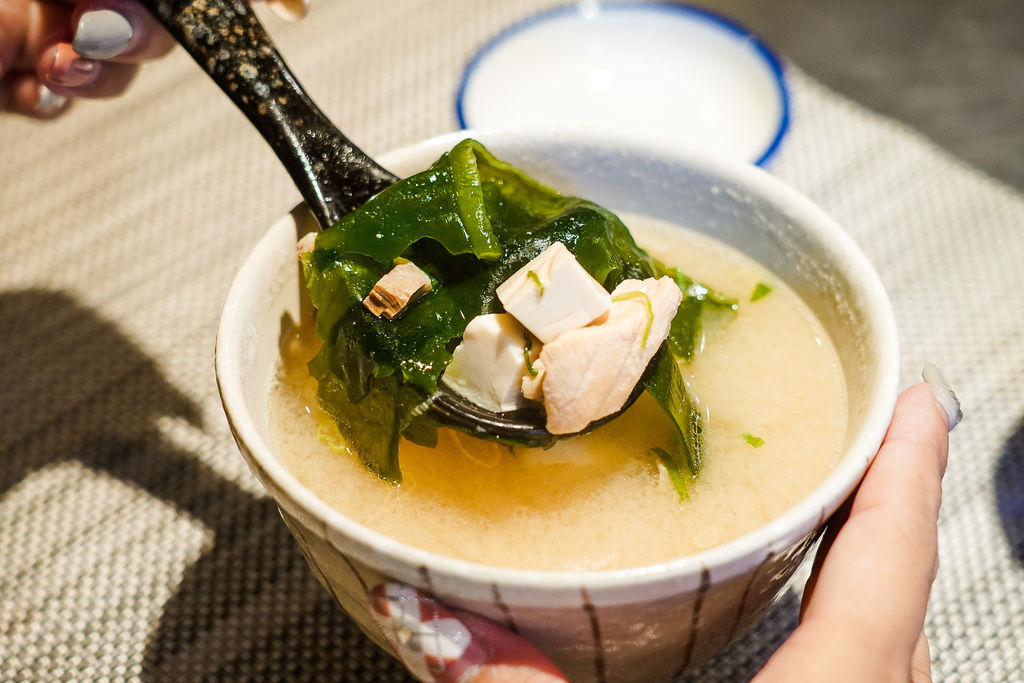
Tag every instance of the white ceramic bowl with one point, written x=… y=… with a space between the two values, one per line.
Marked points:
x=659 y=73
x=642 y=624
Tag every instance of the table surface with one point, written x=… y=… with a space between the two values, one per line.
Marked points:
x=133 y=542
x=945 y=67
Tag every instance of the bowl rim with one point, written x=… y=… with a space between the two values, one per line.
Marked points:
x=720 y=562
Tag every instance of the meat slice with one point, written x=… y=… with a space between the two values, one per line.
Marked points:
x=589 y=372
x=401 y=286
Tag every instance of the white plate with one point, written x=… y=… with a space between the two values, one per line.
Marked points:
x=666 y=74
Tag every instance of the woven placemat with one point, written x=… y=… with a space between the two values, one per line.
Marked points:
x=136 y=545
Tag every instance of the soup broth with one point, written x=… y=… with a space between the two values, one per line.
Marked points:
x=770 y=388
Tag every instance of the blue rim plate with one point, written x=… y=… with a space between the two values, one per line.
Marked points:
x=657 y=73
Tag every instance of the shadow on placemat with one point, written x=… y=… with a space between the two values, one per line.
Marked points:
x=67 y=375
x=74 y=389
x=1009 y=486
x=250 y=609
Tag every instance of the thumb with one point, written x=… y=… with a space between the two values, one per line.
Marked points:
x=440 y=644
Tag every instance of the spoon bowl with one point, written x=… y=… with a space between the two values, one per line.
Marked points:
x=522 y=427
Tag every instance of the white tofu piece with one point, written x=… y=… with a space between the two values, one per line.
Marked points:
x=553 y=293
x=306 y=243
x=401 y=286
x=533 y=385
x=489 y=365
x=590 y=372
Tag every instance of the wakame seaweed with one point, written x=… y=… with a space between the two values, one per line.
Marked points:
x=469 y=221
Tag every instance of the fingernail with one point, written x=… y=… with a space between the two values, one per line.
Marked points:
x=944 y=394
x=289 y=10
x=432 y=643
x=70 y=70
x=49 y=102
x=102 y=34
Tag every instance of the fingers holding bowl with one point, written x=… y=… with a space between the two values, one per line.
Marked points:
x=874 y=570
x=440 y=644
x=921 y=662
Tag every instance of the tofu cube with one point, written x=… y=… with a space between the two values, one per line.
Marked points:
x=553 y=293
x=306 y=244
x=488 y=366
x=401 y=286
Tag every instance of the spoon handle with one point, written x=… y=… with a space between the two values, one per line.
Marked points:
x=229 y=43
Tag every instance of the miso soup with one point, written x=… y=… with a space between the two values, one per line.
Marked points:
x=768 y=384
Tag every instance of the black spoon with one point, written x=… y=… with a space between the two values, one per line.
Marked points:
x=334 y=176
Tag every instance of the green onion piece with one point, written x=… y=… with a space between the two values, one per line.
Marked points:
x=527 y=345
x=677 y=478
x=327 y=432
x=536 y=280
x=650 y=310
x=761 y=290
x=754 y=441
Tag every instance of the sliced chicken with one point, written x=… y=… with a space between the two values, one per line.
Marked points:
x=401 y=286
x=589 y=372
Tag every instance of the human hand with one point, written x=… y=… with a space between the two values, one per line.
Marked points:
x=864 y=606
x=52 y=51
x=862 y=617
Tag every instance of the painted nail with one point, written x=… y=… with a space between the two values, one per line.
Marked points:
x=70 y=70
x=432 y=643
x=944 y=394
x=289 y=10
x=49 y=102
x=102 y=34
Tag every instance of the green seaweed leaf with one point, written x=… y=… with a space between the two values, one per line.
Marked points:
x=444 y=202
x=374 y=423
x=754 y=441
x=675 y=474
x=701 y=309
x=665 y=384
x=761 y=290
